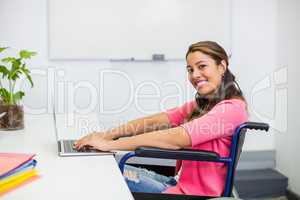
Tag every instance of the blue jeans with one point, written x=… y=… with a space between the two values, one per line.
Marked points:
x=143 y=180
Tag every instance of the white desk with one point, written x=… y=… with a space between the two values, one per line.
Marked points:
x=95 y=177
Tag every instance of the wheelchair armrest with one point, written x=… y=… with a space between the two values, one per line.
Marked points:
x=162 y=196
x=183 y=154
x=256 y=126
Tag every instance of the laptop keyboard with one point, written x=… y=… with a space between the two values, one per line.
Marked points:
x=68 y=146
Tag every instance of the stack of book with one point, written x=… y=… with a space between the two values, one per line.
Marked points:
x=15 y=170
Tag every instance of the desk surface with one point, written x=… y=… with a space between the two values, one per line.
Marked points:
x=93 y=177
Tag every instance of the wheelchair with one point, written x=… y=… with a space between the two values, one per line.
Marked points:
x=195 y=155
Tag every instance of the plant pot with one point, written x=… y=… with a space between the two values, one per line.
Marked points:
x=12 y=117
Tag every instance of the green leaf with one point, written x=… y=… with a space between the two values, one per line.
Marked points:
x=14 y=75
x=18 y=96
x=4 y=71
x=27 y=54
x=27 y=74
x=5 y=95
x=15 y=70
x=16 y=64
x=3 y=48
x=8 y=59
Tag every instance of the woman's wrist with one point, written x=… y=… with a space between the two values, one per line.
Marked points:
x=113 y=134
x=125 y=144
x=119 y=132
x=109 y=135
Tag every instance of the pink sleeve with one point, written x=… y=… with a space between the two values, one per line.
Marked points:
x=177 y=115
x=221 y=121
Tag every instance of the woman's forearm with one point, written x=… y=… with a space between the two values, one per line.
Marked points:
x=175 y=138
x=158 y=121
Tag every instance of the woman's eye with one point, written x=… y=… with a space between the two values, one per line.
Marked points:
x=201 y=66
x=189 y=70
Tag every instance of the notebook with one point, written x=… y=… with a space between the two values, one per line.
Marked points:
x=11 y=161
x=16 y=169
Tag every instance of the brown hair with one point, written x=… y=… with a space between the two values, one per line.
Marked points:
x=229 y=87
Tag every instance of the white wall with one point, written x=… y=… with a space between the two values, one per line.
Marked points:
x=24 y=25
x=254 y=60
x=287 y=143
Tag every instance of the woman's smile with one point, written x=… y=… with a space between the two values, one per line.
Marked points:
x=200 y=83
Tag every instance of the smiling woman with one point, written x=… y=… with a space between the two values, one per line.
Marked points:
x=206 y=123
x=207 y=66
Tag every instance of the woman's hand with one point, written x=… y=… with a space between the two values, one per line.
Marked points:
x=95 y=140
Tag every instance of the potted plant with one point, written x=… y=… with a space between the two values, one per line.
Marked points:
x=11 y=70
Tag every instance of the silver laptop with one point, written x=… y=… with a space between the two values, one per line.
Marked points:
x=65 y=147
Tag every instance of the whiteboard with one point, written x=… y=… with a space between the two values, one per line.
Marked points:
x=118 y=29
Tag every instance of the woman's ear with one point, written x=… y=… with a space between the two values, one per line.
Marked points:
x=223 y=67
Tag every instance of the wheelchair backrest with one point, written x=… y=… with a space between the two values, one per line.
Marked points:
x=238 y=146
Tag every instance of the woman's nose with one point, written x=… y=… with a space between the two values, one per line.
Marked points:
x=197 y=73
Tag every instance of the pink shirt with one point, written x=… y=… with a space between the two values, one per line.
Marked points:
x=211 y=132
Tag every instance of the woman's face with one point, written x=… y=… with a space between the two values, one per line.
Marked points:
x=203 y=72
